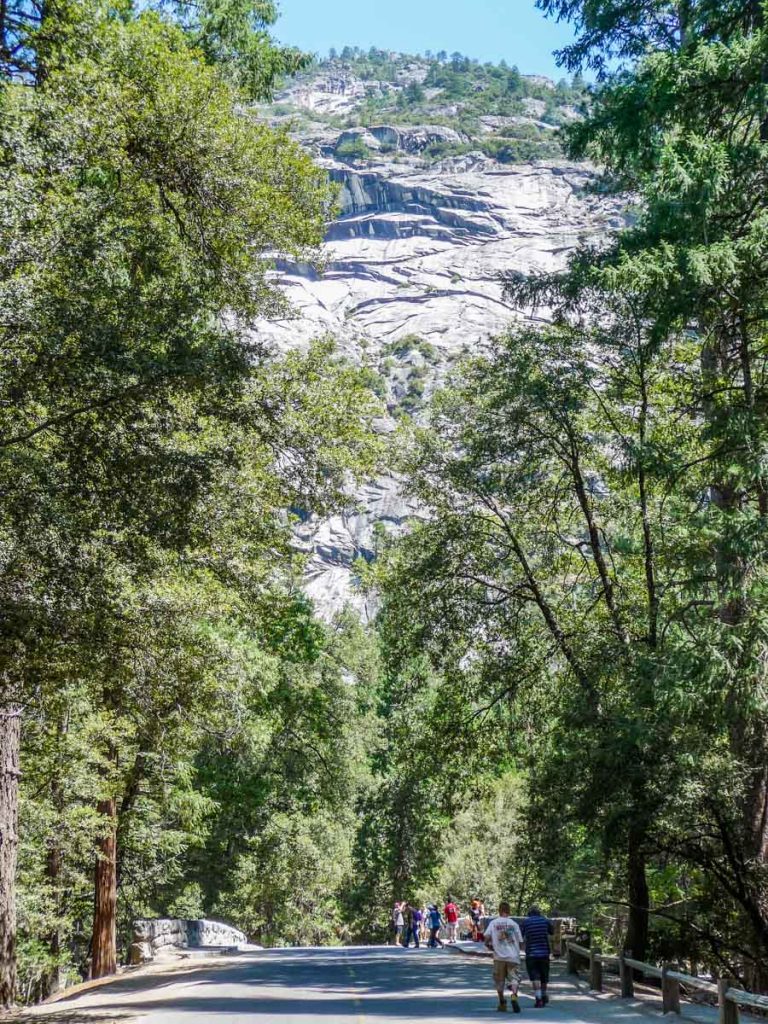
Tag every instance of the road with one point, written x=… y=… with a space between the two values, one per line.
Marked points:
x=372 y=985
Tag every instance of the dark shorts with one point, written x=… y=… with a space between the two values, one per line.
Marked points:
x=538 y=968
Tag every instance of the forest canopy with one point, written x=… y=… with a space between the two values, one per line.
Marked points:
x=569 y=654
x=150 y=448
x=589 y=574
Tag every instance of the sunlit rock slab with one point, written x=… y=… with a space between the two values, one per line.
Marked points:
x=419 y=251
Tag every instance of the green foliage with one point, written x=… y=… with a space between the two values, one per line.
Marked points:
x=413 y=399
x=407 y=344
x=536 y=612
x=485 y=855
x=353 y=149
x=148 y=452
x=406 y=810
x=287 y=888
x=411 y=95
x=590 y=571
x=374 y=381
x=522 y=144
x=234 y=36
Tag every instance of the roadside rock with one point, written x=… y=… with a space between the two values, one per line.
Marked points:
x=140 y=953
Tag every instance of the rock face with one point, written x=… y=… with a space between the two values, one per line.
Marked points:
x=418 y=252
x=333 y=93
x=413 y=139
x=411 y=277
x=333 y=545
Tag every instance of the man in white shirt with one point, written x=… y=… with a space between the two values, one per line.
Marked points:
x=504 y=937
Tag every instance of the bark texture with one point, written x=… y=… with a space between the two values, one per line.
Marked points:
x=105 y=903
x=10 y=744
x=637 y=927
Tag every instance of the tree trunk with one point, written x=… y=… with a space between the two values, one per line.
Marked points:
x=637 y=927
x=4 y=32
x=523 y=887
x=684 y=22
x=734 y=569
x=105 y=897
x=128 y=800
x=10 y=746
x=51 y=982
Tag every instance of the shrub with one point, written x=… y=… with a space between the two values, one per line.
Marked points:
x=352 y=149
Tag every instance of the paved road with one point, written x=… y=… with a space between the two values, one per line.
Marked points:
x=373 y=985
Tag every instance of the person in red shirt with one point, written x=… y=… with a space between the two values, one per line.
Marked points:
x=451 y=914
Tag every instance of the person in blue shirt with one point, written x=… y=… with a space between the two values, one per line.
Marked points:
x=435 y=922
x=413 y=918
x=537 y=931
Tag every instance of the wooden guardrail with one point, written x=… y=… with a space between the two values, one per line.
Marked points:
x=729 y=998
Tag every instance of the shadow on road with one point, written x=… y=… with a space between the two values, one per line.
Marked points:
x=318 y=984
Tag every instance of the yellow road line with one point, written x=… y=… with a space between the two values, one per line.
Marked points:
x=356 y=999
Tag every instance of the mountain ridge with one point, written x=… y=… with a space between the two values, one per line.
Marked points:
x=492 y=107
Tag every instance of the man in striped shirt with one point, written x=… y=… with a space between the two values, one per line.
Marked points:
x=537 y=930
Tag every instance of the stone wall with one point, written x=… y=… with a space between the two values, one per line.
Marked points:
x=154 y=936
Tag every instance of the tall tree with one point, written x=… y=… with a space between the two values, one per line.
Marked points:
x=138 y=206
x=532 y=566
x=686 y=129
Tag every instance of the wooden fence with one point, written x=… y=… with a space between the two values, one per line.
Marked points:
x=729 y=998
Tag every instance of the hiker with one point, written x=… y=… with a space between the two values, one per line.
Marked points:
x=537 y=930
x=503 y=936
x=398 y=922
x=435 y=923
x=412 y=924
x=424 y=923
x=451 y=912
x=476 y=914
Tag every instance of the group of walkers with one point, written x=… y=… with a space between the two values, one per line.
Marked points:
x=424 y=923
x=503 y=935
x=420 y=923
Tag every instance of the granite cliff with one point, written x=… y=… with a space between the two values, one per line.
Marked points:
x=427 y=221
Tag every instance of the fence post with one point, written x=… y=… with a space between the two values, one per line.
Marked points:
x=557 y=938
x=729 y=1011
x=670 y=991
x=596 y=971
x=573 y=960
x=627 y=978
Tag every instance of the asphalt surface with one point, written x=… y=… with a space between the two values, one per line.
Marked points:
x=372 y=985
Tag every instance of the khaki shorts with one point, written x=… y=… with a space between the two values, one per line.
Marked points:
x=505 y=971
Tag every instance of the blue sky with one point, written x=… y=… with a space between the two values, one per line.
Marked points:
x=486 y=29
